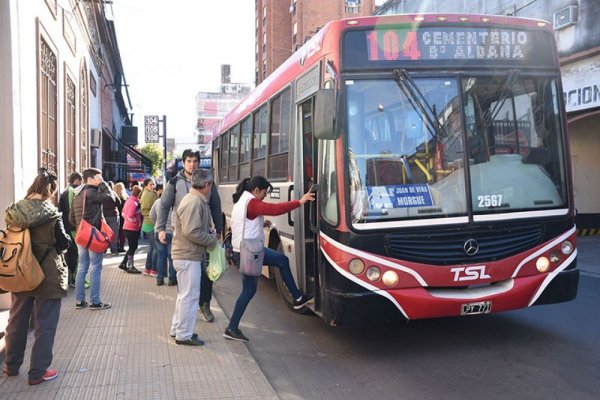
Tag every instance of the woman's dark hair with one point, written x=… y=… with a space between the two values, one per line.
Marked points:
x=147 y=181
x=250 y=184
x=44 y=184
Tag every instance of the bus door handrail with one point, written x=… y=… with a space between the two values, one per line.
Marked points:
x=311 y=218
x=290 y=190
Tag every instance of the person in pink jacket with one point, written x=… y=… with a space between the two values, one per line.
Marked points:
x=132 y=223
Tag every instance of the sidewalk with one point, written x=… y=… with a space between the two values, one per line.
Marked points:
x=126 y=352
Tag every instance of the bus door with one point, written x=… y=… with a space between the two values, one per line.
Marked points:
x=307 y=227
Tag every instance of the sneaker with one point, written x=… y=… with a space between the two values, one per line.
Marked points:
x=153 y=273
x=133 y=270
x=8 y=372
x=123 y=266
x=172 y=283
x=235 y=335
x=194 y=336
x=193 y=341
x=81 y=304
x=301 y=302
x=48 y=376
x=160 y=282
x=205 y=312
x=146 y=272
x=99 y=306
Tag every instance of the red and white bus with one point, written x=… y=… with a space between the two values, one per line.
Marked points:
x=440 y=147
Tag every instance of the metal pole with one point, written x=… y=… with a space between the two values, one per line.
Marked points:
x=164 y=150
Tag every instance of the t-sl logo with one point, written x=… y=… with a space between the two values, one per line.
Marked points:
x=469 y=273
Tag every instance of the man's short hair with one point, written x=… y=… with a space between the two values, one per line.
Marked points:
x=189 y=153
x=90 y=173
x=201 y=178
x=74 y=177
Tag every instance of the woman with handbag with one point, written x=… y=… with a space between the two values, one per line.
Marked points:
x=247 y=222
x=123 y=196
x=48 y=240
x=132 y=217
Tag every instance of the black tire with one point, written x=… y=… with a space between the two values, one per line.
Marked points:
x=284 y=293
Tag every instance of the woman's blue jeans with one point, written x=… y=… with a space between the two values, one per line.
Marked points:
x=163 y=252
x=250 y=283
x=151 y=256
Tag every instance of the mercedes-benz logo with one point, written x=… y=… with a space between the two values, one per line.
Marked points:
x=471 y=247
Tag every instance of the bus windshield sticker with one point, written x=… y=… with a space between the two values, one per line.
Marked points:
x=399 y=196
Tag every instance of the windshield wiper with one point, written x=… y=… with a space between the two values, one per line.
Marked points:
x=513 y=75
x=418 y=101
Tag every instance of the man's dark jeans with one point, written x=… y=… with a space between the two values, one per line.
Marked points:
x=163 y=252
x=206 y=285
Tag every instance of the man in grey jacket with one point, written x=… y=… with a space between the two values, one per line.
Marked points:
x=191 y=240
x=175 y=189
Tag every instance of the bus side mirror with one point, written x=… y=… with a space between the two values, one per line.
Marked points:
x=324 y=115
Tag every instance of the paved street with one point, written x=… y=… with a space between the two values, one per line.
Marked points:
x=543 y=352
x=126 y=352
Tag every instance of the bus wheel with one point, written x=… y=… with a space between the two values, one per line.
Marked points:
x=283 y=290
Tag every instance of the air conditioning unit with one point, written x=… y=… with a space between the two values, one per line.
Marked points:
x=95 y=138
x=565 y=17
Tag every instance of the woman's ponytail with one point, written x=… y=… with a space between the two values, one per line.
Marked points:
x=240 y=188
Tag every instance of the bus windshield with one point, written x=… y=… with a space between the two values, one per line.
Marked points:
x=432 y=147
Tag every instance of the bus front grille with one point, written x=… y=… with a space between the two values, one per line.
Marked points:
x=448 y=247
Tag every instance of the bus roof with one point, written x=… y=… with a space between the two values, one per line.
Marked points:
x=324 y=43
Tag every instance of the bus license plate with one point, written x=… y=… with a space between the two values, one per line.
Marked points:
x=481 y=307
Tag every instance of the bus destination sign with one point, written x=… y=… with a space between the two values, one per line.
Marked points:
x=456 y=43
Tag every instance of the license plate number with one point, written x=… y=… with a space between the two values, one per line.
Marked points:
x=481 y=307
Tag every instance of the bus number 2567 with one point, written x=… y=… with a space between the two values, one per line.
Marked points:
x=489 y=200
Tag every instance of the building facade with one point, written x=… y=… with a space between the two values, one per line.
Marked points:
x=60 y=79
x=211 y=107
x=578 y=40
x=282 y=26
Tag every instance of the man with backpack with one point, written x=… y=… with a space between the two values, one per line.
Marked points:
x=175 y=189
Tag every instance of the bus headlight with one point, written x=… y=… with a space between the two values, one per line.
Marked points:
x=390 y=278
x=356 y=266
x=542 y=264
x=373 y=274
x=567 y=247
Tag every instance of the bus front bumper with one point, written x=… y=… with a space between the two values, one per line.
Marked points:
x=422 y=302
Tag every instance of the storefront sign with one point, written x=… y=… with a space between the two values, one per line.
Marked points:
x=581 y=85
